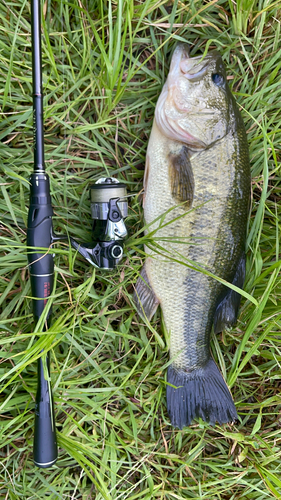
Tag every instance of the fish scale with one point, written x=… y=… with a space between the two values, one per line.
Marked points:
x=197 y=178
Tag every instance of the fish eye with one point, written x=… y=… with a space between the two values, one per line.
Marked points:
x=218 y=79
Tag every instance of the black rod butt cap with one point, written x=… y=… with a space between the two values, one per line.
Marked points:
x=45 y=465
x=45 y=452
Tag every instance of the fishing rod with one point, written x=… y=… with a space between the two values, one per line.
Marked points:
x=109 y=208
x=41 y=263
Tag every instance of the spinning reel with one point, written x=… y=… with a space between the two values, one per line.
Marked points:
x=109 y=208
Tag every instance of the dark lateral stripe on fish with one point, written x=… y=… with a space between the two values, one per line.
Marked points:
x=201 y=393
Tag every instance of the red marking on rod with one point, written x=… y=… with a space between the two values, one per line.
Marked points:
x=47 y=291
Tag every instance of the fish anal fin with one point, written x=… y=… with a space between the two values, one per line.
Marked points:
x=144 y=296
x=227 y=310
x=181 y=176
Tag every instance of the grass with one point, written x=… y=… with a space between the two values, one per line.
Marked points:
x=104 y=64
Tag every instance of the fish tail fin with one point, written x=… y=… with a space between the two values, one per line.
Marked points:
x=200 y=393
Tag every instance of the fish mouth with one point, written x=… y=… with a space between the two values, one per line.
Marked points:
x=191 y=68
x=181 y=52
x=193 y=77
x=173 y=124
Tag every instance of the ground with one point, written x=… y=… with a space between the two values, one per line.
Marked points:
x=104 y=64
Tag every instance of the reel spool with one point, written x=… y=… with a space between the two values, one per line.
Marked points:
x=102 y=191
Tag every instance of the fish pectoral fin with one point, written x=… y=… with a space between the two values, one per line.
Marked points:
x=144 y=296
x=227 y=310
x=181 y=176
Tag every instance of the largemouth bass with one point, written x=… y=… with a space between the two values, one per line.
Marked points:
x=196 y=198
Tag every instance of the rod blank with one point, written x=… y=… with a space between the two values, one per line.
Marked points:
x=38 y=132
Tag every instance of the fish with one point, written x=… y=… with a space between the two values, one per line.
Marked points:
x=196 y=204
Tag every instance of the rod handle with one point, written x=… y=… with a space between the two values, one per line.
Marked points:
x=45 y=452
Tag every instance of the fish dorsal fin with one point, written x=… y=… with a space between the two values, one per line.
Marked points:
x=181 y=176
